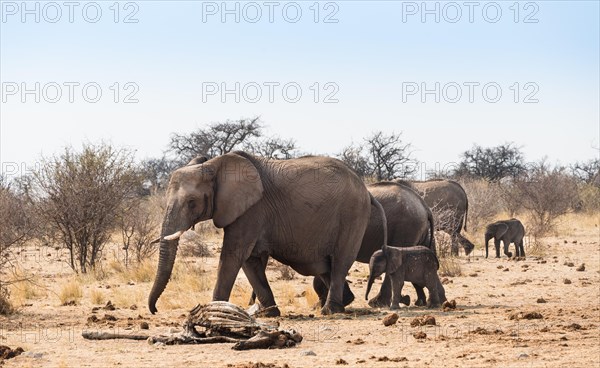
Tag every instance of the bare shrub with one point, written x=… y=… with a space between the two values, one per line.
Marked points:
x=79 y=195
x=16 y=228
x=285 y=271
x=450 y=267
x=484 y=202
x=138 y=224
x=193 y=245
x=546 y=194
x=443 y=218
x=589 y=197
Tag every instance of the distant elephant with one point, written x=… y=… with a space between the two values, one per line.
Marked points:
x=507 y=231
x=309 y=213
x=418 y=265
x=441 y=195
x=409 y=222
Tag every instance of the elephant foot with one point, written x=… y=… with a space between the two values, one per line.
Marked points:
x=271 y=312
x=379 y=302
x=348 y=297
x=331 y=308
x=394 y=306
x=420 y=303
x=434 y=305
x=405 y=300
x=258 y=310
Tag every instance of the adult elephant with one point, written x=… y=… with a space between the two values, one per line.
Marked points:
x=309 y=213
x=447 y=196
x=409 y=222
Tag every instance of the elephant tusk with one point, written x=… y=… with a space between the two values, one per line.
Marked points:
x=157 y=240
x=174 y=236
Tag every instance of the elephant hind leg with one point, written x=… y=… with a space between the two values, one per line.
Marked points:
x=421 y=298
x=321 y=288
x=520 y=248
x=466 y=243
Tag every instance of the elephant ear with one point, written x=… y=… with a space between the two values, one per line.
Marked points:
x=237 y=187
x=394 y=259
x=501 y=229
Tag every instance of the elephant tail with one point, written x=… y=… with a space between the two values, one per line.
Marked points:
x=431 y=231
x=378 y=205
x=466 y=211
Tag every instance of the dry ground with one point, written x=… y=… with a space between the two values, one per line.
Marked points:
x=478 y=333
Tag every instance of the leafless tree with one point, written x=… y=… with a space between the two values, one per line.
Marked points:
x=273 y=147
x=156 y=173
x=217 y=139
x=79 y=196
x=383 y=156
x=586 y=171
x=492 y=163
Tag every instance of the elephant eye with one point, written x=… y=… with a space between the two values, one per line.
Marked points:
x=191 y=204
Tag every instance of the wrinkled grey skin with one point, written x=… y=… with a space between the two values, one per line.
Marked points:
x=309 y=213
x=507 y=231
x=409 y=222
x=415 y=264
x=449 y=195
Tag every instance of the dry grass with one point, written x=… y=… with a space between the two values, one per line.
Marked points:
x=190 y=284
x=71 y=292
x=23 y=286
x=450 y=267
x=97 y=297
x=311 y=297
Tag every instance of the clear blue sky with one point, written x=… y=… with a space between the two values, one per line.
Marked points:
x=372 y=54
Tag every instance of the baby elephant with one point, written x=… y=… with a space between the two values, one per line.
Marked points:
x=416 y=264
x=509 y=231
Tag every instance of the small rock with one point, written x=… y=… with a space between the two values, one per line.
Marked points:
x=448 y=305
x=500 y=267
x=541 y=300
x=390 y=319
x=426 y=320
x=31 y=354
x=569 y=264
x=131 y=283
x=523 y=355
x=109 y=317
x=505 y=270
x=109 y=306
x=341 y=362
x=574 y=242
x=566 y=281
x=308 y=353
x=419 y=335
x=144 y=325
x=133 y=307
x=581 y=267
x=92 y=319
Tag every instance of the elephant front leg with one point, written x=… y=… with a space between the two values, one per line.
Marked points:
x=506 y=251
x=254 y=268
x=234 y=253
x=383 y=298
x=397 y=285
x=320 y=285
x=497 y=246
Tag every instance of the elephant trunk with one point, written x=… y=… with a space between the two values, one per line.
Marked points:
x=487 y=239
x=371 y=280
x=166 y=260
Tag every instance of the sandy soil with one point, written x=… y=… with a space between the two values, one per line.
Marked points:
x=479 y=333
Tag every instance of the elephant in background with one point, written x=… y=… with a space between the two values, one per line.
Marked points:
x=416 y=264
x=507 y=231
x=409 y=222
x=447 y=195
x=309 y=213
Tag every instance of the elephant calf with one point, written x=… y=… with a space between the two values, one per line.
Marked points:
x=507 y=231
x=415 y=264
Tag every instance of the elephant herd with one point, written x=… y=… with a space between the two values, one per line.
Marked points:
x=317 y=216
